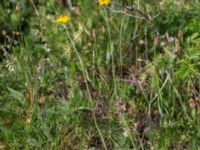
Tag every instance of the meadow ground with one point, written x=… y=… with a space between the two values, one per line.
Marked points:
x=104 y=74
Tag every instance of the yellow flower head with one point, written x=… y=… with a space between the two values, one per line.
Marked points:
x=17 y=33
x=63 y=19
x=104 y=2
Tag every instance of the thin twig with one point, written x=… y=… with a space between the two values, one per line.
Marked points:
x=33 y=4
x=165 y=82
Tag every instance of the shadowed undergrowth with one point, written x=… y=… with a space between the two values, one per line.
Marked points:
x=118 y=76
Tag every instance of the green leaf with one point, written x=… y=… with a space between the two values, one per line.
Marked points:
x=17 y=95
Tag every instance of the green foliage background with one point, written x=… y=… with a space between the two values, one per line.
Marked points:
x=88 y=83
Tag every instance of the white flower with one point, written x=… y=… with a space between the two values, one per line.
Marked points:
x=162 y=44
x=171 y=39
x=141 y=42
x=125 y=133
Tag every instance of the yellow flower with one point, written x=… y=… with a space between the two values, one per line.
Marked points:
x=17 y=33
x=63 y=19
x=104 y=2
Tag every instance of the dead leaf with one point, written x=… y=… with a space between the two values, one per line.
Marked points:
x=78 y=11
x=42 y=100
x=180 y=33
x=198 y=110
x=191 y=103
x=94 y=34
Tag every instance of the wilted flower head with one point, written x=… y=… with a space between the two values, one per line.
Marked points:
x=17 y=33
x=18 y=7
x=192 y=103
x=63 y=19
x=104 y=2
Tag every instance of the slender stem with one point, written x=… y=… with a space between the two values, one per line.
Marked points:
x=101 y=135
x=88 y=90
x=33 y=4
x=120 y=44
x=129 y=134
x=81 y=62
x=110 y=47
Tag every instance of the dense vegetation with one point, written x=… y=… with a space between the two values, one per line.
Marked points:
x=120 y=76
